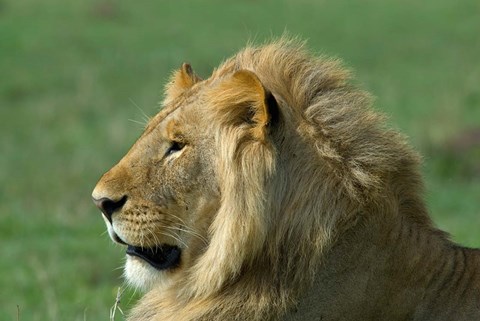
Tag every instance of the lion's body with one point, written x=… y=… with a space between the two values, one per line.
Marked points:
x=369 y=277
x=290 y=201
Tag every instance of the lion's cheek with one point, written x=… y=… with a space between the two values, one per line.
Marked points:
x=142 y=276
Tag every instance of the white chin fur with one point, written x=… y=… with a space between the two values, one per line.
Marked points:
x=142 y=276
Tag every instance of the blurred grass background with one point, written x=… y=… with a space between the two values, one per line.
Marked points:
x=72 y=74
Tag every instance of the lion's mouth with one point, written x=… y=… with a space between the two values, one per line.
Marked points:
x=161 y=257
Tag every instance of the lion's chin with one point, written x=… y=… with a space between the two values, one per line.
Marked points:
x=144 y=277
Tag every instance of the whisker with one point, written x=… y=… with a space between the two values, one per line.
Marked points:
x=155 y=238
x=189 y=232
x=192 y=231
x=178 y=218
x=146 y=119
x=173 y=236
x=137 y=122
x=118 y=268
x=184 y=228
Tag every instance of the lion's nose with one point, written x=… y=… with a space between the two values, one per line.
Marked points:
x=109 y=206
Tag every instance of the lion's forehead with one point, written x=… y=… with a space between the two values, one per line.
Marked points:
x=182 y=108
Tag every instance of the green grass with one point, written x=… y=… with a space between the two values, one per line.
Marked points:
x=72 y=73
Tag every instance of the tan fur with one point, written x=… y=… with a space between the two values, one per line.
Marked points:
x=290 y=201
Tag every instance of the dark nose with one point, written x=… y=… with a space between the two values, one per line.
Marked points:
x=109 y=206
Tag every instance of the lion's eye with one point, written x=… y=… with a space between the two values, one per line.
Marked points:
x=175 y=147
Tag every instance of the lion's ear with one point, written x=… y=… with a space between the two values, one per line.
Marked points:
x=181 y=80
x=242 y=98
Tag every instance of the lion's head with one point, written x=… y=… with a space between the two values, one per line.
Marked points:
x=163 y=199
x=240 y=183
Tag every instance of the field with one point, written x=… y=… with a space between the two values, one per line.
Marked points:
x=76 y=78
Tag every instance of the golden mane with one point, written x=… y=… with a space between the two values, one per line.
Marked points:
x=334 y=116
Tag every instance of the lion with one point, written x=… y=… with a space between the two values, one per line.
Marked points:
x=273 y=191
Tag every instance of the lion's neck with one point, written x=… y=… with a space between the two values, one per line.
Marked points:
x=369 y=273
